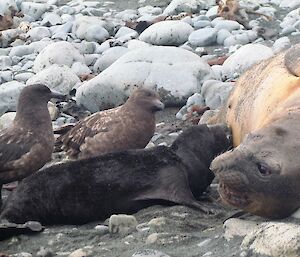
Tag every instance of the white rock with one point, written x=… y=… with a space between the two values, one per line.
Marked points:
x=195 y=99
x=51 y=19
x=67 y=9
x=293 y=4
x=236 y=227
x=94 y=33
x=35 y=10
x=203 y=37
x=104 y=46
x=57 y=53
x=252 y=35
x=38 y=33
x=205 y=118
x=228 y=25
x=91 y=28
x=9 y=94
x=175 y=73
x=23 y=254
x=178 y=6
x=6 y=75
x=215 y=93
x=53 y=111
x=80 y=68
x=222 y=35
x=6 y=119
x=212 y=12
x=217 y=71
x=281 y=44
x=78 y=253
x=127 y=15
x=21 y=50
x=61 y=31
x=201 y=24
x=108 y=57
x=102 y=229
x=134 y=44
x=4 y=51
x=149 y=253
x=125 y=31
x=124 y=39
x=58 y=77
x=85 y=47
x=244 y=58
x=90 y=59
x=286 y=236
x=40 y=45
x=23 y=77
x=239 y=39
x=167 y=33
x=5 y=6
x=287 y=30
x=122 y=224
x=267 y=10
x=5 y=61
x=149 y=10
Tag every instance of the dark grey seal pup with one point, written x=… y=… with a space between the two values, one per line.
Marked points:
x=81 y=191
x=28 y=143
x=129 y=126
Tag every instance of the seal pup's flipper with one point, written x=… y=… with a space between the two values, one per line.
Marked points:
x=292 y=60
x=172 y=186
x=8 y=229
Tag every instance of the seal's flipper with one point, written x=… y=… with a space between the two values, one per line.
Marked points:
x=8 y=229
x=172 y=186
x=292 y=60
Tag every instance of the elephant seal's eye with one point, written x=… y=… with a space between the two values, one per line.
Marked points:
x=264 y=169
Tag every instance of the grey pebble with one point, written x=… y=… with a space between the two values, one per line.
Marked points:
x=149 y=253
x=44 y=253
x=102 y=229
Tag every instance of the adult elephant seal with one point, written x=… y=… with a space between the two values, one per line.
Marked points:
x=124 y=182
x=262 y=174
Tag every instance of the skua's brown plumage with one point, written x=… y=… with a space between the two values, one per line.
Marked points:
x=129 y=126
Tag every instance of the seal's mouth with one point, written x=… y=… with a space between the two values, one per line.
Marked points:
x=233 y=197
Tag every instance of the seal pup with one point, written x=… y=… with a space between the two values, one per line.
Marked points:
x=262 y=174
x=28 y=143
x=129 y=126
x=81 y=191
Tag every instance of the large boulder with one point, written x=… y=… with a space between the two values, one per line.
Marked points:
x=63 y=53
x=169 y=33
x=175 y=73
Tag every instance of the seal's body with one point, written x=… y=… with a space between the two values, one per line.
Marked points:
x=262 y=174
x=80 y=191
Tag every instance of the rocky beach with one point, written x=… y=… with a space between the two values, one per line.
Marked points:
x=97 y=53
